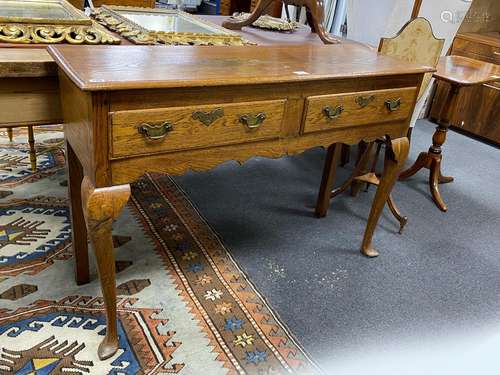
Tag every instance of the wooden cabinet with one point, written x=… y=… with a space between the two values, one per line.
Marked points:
x=478 y=108
x=478 y=49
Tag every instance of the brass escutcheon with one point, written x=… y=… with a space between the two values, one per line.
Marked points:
x=333 y=113
x=363 y=101
x=207 y=118
x=393 y=104
x=252 y=121
x=155 y=132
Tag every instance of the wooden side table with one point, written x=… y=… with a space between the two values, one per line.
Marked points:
x=168 y=113
x=458 y=72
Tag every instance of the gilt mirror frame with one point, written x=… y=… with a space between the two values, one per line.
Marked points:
x=75 y=16
x=66 y=24
x=113 y=18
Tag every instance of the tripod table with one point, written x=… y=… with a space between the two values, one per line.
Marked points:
x=459 y=72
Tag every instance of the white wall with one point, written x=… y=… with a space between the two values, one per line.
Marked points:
x=369 y=20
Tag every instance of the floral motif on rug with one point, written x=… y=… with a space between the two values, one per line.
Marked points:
x=15 y=167
x=187 y=309
x=250 y=336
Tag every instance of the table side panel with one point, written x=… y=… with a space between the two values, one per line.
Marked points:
x=29 y=101
x=77 y=122
x=85 y=128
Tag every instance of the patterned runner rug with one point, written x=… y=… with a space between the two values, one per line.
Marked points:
x=184 y=305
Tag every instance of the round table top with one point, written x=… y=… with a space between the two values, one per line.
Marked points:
x=464 y=71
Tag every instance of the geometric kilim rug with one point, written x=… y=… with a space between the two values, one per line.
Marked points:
x=184 y=305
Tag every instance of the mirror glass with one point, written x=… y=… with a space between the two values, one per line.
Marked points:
x=167 y=22
x=31 y=9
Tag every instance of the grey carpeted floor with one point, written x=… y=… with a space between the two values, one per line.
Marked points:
x=429 y=304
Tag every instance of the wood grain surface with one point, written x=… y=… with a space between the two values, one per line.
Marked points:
x=354 y=114
x=465 y=71
x=26 y=62
x=415 y=43
x=187 y=132
x=485 y=47
x=140 y=67
x=477 y=106
x=108 y=94
x=29 y=101
x=32 y=60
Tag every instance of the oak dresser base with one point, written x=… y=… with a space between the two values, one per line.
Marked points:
x=119 y=128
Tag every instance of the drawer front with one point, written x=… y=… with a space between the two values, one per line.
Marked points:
x=477 y=50
x=326 y=112
x=148 y=131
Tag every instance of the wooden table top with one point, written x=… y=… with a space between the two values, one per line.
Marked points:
x=464 y=71
x=136 y=67
x=21 y=60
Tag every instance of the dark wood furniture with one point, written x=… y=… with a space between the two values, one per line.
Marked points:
x=458 y=72
x=228 y=7
x=168 y=113
x=477 y=106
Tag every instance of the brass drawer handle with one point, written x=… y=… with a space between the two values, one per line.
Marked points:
x=496 y=53
x=393 y=105
x=253 y=121
x=333 y=113
x=155 y=132
x=363 y=101
x=207 y=118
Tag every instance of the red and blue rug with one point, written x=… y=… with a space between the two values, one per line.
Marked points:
x=184 y=304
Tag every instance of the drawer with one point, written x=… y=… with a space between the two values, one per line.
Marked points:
x=477 y=50
x=148 y=131
x=326 y=112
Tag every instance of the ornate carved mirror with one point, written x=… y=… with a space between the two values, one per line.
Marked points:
x=49 y=21
x=163 y=26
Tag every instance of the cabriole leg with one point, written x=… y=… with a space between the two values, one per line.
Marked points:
x=395 y=155
x=100 y=207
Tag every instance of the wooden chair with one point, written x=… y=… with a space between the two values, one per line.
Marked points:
x=414 y=43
